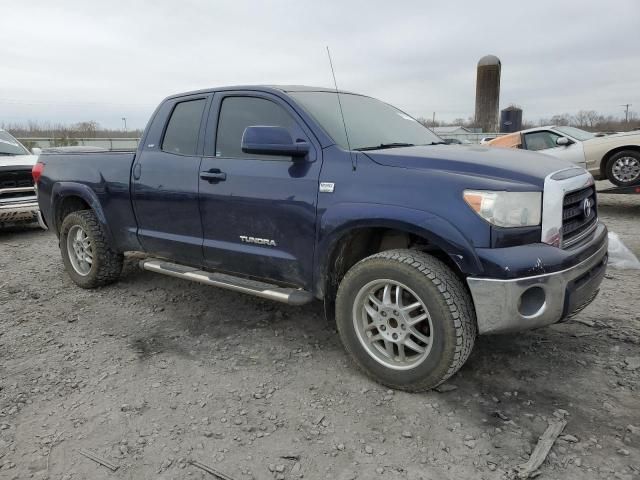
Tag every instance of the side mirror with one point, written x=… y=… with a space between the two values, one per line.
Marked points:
x=563 y=142
x=36 y=150
x=272 y=141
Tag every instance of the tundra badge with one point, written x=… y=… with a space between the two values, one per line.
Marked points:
x=259 y=241
x=327 y=187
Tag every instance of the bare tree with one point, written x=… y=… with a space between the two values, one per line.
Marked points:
x=593 y=118
x=563 y=119
x=429 y=123
x=581 y=118
x=87 y=128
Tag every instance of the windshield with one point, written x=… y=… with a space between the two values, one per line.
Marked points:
x=370 y=123
x=576 y=133
x=10 y=146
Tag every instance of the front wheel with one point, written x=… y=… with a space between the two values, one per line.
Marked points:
x=623 y=168
x=86 y=253
x=406 y=319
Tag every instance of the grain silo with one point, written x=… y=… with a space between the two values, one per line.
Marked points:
x=488 y=93
x=511 y=119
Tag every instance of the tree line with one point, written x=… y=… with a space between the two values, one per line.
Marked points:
x=84 y=129
x=589 y=120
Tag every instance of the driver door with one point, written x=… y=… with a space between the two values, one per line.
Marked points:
x=544 y=141
x=258 y=211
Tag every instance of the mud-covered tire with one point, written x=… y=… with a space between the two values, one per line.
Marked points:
x=623 y=168
x=107 y=264
x=452 y=326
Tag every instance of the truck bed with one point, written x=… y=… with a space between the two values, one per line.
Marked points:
x=101 y=179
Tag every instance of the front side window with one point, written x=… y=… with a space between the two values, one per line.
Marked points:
x=181 y=136
x=370 y=123
x=541 y=140
x=238 y=113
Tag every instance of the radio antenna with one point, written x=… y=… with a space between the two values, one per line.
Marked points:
x=344 y=124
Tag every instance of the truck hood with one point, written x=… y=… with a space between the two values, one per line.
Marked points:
x=504 y=164
x=18 y=160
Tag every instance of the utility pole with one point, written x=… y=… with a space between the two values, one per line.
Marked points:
x=626 y=111
x=124 y=119
x=433 y=122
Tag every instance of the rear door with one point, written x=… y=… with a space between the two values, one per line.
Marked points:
x=259 y=215
x=165 y=182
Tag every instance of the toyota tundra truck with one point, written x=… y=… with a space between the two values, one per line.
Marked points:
x=297 y=194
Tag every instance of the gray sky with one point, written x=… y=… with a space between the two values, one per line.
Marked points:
x=67 y=60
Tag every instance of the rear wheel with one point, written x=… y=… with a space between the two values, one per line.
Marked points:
x=406 y=319
x=86 y=254
x=623 y=168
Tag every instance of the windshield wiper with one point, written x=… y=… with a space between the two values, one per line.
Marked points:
x=8 y=154
x=386 y=145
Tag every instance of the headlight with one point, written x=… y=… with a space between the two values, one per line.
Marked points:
x=506 y=209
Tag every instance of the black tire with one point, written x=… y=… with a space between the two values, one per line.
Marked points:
x=107 y=264
x=446 y=299
x=635 y=165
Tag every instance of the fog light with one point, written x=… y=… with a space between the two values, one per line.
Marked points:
x=531 y=301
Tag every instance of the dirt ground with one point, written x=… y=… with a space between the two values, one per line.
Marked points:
x=153 y=373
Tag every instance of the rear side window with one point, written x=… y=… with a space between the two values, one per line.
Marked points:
x=238 y=113
x=181 y=135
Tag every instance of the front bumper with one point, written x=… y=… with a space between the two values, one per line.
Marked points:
x=23 y=212
x=509 y=305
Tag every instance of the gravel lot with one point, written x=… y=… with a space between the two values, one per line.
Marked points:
x=153 y=372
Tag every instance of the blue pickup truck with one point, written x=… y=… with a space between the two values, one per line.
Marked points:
x=299 y=193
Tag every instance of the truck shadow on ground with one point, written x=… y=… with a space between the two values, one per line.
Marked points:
x=204 y=313
x=506 y=375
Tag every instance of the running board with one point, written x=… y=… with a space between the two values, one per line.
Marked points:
x=292 y=296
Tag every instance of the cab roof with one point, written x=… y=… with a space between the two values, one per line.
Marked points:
x=263 y=88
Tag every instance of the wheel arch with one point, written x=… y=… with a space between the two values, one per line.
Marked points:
x=613 y=151
x=344 y=244
x=68 y=197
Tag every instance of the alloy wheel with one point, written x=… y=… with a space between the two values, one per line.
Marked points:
x=393 y=324
x=626 y=169
x=79 y=250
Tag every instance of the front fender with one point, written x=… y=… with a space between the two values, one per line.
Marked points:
x=62 y=190
x=342 y=218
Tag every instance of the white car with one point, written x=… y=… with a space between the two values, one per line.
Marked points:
x=615 y=157
x=18 y=201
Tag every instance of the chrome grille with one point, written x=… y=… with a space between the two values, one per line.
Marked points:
x=579 y=215
x=16 y=186
x=16 y=179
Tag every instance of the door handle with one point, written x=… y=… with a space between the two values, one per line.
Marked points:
x=213 y=175
x=136 y=171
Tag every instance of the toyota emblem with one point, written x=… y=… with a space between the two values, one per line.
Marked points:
x=586 y=207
